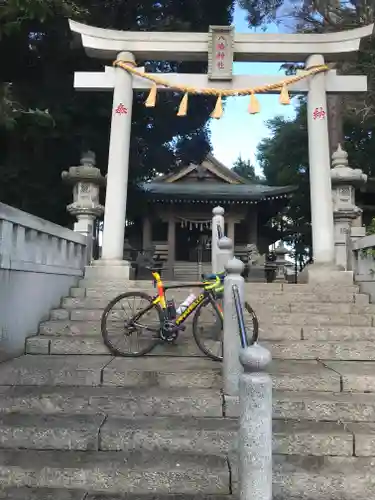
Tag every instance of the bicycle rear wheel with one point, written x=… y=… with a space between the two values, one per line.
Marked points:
x=131 y=324
x=208 y=328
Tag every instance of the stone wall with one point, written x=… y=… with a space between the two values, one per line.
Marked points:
x=39 y=262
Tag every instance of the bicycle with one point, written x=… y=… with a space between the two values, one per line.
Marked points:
x=169 y=321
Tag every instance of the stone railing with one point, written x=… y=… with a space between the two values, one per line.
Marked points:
x=39 y=262
x=247 y=385
x=361 y=260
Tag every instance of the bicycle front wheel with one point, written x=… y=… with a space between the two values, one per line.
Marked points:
x=131 y=324
x=208 y=330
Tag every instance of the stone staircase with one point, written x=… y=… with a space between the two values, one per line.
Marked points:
x=191 y=271
x=79 y=424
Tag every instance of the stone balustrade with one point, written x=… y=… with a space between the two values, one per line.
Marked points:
x=39 y=262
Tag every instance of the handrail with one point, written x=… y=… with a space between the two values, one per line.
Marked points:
x=240 y=318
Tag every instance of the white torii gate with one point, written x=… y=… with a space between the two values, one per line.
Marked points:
x=127 y=46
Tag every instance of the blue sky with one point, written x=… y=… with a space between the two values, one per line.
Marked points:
x=238 y=132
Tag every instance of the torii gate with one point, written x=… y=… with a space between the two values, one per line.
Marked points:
x=127 y=46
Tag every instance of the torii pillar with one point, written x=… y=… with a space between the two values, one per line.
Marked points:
x=316 y=49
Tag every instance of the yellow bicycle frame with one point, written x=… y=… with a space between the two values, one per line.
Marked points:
x=214 y=285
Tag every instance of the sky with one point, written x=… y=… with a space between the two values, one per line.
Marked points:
x=238 y=133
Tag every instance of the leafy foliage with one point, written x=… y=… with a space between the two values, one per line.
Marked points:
x=283 y=157
x=245 y=169
x=284 y=164
x=45 y=124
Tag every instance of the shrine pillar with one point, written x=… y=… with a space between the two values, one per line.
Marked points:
x=319 y=162
x=253 y=226
x=147 y=233
x=118 y=169
x=171 y=246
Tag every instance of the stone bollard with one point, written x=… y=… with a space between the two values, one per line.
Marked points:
x=232 y=368
x=225 y=253
x=255 y=425
x=217 y=220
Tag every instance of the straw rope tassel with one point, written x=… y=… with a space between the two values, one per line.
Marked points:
x=218 y=111
x=284 y=95
x=151 y=99
x=254 y=106
x=182 y=110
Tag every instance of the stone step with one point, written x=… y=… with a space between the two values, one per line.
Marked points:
x=219 y=436
x=278 y=304
x=204 y=436
x=356 y=376
x=50 y=432
x=64 y=494
x=186 y=346
x=170 y=372
x=304 y=405
x=106 y=294
x=108 y=371
x=68 y=344
x=122 y=285
x=50 y=400
x=43 y=494
x=124 y=472
x=264 y=314
x=318 y=478
x=131 y=476
x=317 y=406
x=267 y=331
x=167 y=372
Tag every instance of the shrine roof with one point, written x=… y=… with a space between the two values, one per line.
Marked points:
x=215 y=191
x=211 y=180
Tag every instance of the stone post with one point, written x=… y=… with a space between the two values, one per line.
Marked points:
x=118 y=169
x=217 y=220
x=86 y=180
x=320 y=166
x=280 y=262
x=344 y=181
x=232 y=368
x=255 y=429
x=225 y=253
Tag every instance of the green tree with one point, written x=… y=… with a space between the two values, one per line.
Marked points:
x=45 y=124
x=283 y=156
x=245 y=169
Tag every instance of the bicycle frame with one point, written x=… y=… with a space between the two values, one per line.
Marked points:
x=209 y=287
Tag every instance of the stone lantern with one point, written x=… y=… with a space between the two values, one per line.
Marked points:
x=344 y=182
x=86 y=180
x=280 y=252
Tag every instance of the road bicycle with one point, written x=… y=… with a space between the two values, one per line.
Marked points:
x=168 y=320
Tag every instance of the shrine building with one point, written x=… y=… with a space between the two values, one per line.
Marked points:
x=179 y=212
